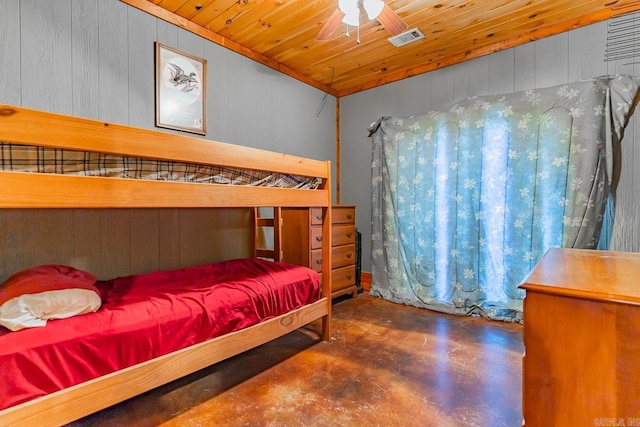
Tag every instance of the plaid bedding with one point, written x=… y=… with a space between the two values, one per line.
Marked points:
x=27 y=158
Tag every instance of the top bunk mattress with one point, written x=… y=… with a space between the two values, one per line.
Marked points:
x=39 y=159
x=147 y=316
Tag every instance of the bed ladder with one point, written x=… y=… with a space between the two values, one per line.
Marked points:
x=261 y=225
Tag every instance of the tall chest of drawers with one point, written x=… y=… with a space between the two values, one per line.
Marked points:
x=302 y=243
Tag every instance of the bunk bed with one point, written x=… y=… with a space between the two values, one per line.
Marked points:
x=277 y=180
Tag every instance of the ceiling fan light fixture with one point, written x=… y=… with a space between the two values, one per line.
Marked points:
x=351 y=12
x=373 y=7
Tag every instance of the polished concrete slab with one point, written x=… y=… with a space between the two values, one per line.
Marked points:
x=386 y=365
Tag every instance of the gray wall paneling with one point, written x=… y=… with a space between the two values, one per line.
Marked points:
x=218 y=93
x=113 y=54
x=551 y=61
x=524 y=60
x=10 y=77
x=85 y=65
x=501 y=72
x=571 y=56
x=627 y=213
x=141 y=61
x=87 y=244
x=480 y=75
x=45 y=65
x=11 y=222
x=95 y=59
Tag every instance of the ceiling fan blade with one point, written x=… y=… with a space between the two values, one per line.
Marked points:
x=391 y=21
x=330 y=26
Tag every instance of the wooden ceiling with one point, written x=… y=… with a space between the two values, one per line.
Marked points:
x=281 y=33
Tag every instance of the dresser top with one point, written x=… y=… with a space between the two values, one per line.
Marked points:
x=583 y=273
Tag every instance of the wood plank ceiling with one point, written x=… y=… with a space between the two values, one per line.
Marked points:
x=282 y=33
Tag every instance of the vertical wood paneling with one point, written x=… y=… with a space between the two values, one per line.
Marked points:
x=295 y=101
x=144 y=240
x=115 y=246
x=11 y=242
x=215 y=221
x=426 y=93
x=524 y=63
x=286 y=137
x=190 y=43
x=252 y=95
x=218 y=93
x=237 y=233
x=85 y=66
x=625 y=236
x=113 y=76
x=551 y=62
x=480 y=76
x=262 y=130
x=234 y=103
x=442 y=87
x=141 y=65
x=87 y=241
x=501 y=72
x=46 y=55
x=169 y=238
x=166 y=33
x=194 y=226
x=461 y=81
x=45 y=244
x=586 y=52
x=10 y=48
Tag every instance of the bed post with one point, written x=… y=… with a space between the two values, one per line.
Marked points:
x=326 y=257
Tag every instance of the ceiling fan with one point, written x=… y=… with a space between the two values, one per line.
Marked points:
x=348 y=12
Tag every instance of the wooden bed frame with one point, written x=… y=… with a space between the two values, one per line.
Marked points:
x=34 y=190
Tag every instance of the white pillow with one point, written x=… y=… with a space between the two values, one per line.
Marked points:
x=32 y=310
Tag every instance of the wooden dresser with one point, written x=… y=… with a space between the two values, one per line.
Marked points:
x=301 y=235
x=582 y=339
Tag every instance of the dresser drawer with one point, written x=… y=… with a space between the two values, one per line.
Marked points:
x=343 y=215
x=316 y=216
x=316 y=237
x=315 y=261
x=342 y=256
x=343 y=234
x=343 y=278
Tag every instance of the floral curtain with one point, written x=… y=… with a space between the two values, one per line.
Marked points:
x=466 y=200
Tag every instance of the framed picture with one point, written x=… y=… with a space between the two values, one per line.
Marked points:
x=180 y=90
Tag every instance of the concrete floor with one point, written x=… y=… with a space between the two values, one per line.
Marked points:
x=387 y=365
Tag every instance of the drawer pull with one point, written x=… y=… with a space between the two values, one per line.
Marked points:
x=349 y=255
x=319 y=217
x=349 y=216
x=319 y=238
x=349 y=277
x=319 y=261
x=349 y=235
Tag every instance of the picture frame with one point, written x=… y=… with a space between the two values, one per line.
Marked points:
x=180 y=90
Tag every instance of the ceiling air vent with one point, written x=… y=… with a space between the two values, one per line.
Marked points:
x=406 y=37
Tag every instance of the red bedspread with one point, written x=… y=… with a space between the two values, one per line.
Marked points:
x=147 y=316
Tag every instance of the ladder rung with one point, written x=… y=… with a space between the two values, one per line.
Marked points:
x=265 y=253
x=264 y=222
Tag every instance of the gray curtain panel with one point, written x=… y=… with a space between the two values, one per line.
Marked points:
x=467 y=199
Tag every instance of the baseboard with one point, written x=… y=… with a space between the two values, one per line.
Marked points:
x=365 y=281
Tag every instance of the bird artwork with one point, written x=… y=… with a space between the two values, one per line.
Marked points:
x=179 y=78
